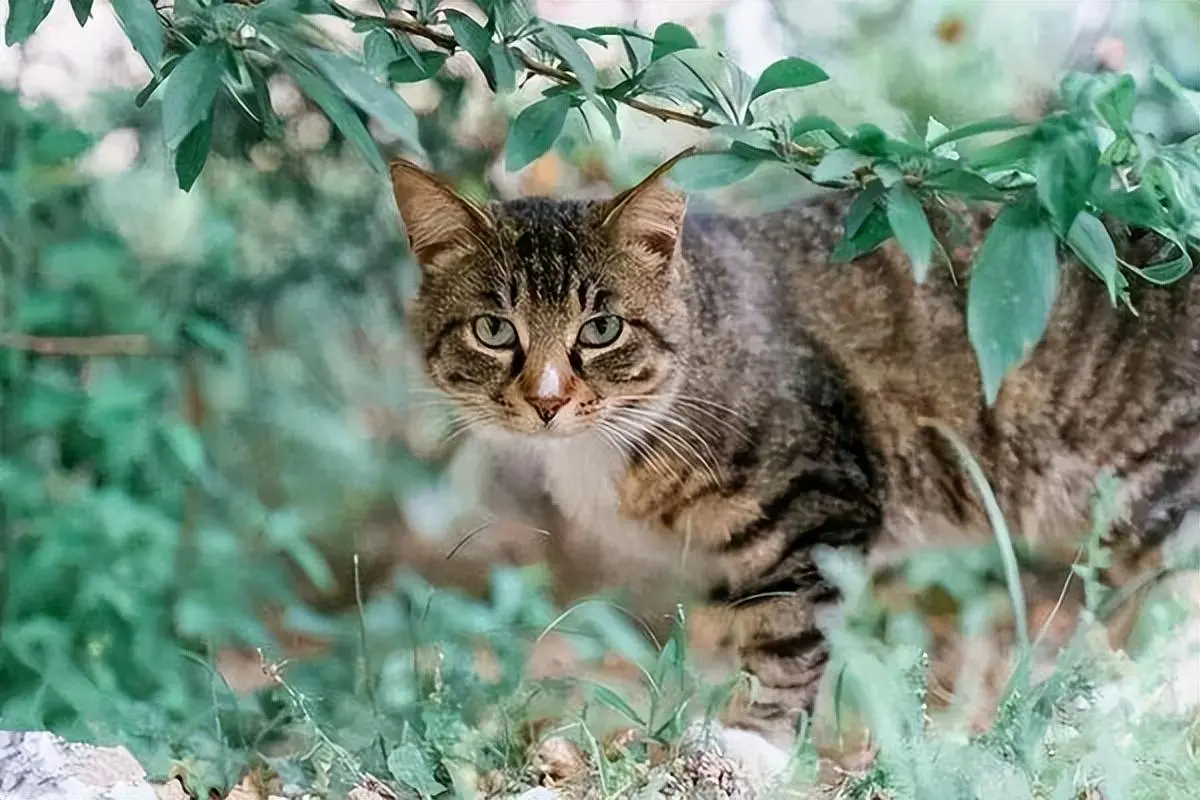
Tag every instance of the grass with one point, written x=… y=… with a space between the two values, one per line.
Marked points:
x=441 y=695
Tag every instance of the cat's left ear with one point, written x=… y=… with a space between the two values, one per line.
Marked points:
x=442 y=226
x=649 y=216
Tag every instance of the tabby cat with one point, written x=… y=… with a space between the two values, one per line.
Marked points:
x=718 y=381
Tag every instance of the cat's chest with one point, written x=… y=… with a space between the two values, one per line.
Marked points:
x=583 y=476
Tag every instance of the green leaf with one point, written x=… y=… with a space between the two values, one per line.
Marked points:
x=565 y=46
x=1012 y=288
x=585 y=33
x=503 y=73
x=534 y=130
x=909 y=223
x=1168 y=272
x=740 y=133
x=471 y=35
x=608 y=109
x=1005 y=155
x=285 y=531
x=339 y=112
x=1116 y=105
x=408 y=765
x=864 y=203
x=874 y=231
x=24 y=17
x=614 y=701
x=1176 y=88
x=1165 y=273
x=410 y=70
x=817 y=122
x=189 y=92
x=59 y=144
x=156 y=80
x=82 y=9
x=144 y=29
x=368 y=94
x=1066 y=159
x=185 y=443
x=870 y=140
x=272 y=125
x=671 y=37
x=1090 y=241
x=379 y=51
x=888 y=173
x=617 y=30
x=712 y=170
x=1123 y=150
x=193 y=153
x=1138 y=207
x=993 y=125
x=964 y=184
x=839 y=164
x=787 y=73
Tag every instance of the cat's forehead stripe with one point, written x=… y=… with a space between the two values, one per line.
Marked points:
x=545 y=245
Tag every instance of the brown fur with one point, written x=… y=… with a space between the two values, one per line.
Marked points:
x=761 y=402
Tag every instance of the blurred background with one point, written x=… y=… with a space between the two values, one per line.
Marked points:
x=237 y=412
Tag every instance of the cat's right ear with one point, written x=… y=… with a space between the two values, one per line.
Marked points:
x=649 y=217
x=442 y=226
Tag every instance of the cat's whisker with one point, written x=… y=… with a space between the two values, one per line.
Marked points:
x=657 y=420
x=654 y=460
x=423 y=404
x=692 y=427
x=688 y=398
x=630 y=442
x=670 y=440
x=698 y=406
x=468 y=419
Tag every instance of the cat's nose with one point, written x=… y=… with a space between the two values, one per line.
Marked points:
x=547 y=407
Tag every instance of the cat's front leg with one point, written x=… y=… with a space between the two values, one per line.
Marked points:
x=780 y=646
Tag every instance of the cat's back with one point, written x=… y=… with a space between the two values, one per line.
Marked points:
x=1103 y=389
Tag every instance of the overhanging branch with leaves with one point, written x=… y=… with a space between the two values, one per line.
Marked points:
x=1064 y=180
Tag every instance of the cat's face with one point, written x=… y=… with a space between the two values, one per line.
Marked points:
x=548 y=318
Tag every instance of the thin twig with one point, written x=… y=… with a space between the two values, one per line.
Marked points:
x=132 y=344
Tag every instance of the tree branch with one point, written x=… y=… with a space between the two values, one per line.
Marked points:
x=117 y=345
x=449 y=43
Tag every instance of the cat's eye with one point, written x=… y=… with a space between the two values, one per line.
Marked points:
x=600 y=331
x=495 y=332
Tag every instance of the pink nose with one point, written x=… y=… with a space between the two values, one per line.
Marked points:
x=547 y=407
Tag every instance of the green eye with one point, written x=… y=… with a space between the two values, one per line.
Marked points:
x=495 y=332
x=600 y=331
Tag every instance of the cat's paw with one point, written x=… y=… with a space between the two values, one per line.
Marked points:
x=762 y=764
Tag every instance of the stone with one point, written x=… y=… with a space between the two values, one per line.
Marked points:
x=37 y=765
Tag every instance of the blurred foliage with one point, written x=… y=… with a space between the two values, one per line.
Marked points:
x=191 y=383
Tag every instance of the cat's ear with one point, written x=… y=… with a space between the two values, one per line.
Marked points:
x=650 y=215
x=442 y=226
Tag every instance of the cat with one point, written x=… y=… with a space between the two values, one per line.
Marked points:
x=719 y=383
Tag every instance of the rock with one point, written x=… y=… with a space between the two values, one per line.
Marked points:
x=172 y=790
x=538 y=793
x=37 y=765
x=559 y=760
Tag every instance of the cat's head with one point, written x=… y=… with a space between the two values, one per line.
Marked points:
x=542 y=316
